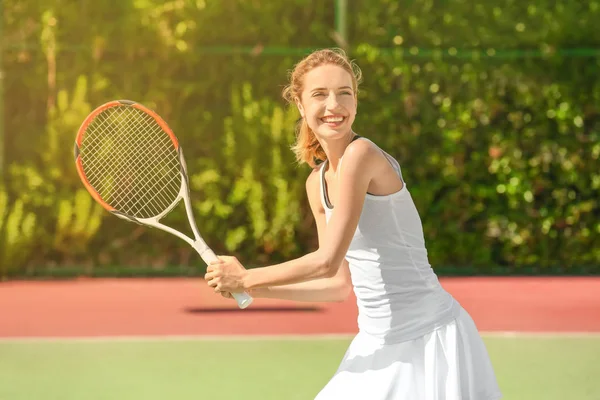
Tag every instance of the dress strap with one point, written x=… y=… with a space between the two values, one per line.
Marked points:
x=323 y=185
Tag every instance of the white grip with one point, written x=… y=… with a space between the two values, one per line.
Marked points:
x=243 y=299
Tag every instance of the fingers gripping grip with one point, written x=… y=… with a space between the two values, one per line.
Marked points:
x=243 y=299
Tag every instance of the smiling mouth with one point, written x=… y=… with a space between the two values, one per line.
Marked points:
x=333 y=120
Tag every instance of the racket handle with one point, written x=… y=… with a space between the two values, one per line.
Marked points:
x=243 y=299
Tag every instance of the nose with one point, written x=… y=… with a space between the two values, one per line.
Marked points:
x=332 y=102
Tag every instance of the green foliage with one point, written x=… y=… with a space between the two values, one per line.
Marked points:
x=500 y=161
x=497 y=130
x=62 y=216
x=251 y=189
x=17 y=232
x=491 y=109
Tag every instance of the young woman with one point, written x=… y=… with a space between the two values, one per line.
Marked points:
x=415 y=341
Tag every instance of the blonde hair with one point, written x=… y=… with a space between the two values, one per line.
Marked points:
x=307 y=148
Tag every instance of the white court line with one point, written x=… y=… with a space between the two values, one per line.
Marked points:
x=540 y=335
x=285 y=337
x=176 y=338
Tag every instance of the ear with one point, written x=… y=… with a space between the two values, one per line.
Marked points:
x=300 y=108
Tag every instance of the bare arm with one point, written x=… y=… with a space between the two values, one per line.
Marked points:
x=328 y=289
x=360 y=166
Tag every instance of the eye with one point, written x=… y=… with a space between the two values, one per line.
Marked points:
x=317 y=94
x=346 y=92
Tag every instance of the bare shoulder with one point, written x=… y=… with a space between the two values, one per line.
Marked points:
x=360 y=148
x=363 y=153
x=365 y=160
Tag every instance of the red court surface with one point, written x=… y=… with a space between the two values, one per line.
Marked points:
x=158 y=307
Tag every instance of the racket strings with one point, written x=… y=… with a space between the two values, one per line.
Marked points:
x=131 y=162
x=147 y=149
x=142 y=130
x=134 y=186
x=128 y=163
x=144 y=177
x=102 y=168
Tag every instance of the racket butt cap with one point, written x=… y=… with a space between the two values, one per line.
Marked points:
x=243 y=299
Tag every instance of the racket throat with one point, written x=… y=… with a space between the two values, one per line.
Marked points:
x=126 y=217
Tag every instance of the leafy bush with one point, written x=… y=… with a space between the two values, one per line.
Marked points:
x=490 y=108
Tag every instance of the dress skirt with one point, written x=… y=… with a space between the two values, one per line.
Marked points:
x=449 y=363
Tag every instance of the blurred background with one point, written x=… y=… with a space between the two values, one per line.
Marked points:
x=492 y=109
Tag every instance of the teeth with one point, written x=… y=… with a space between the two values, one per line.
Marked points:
x=333 y=119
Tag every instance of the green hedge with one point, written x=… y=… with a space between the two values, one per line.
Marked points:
x=491 y=109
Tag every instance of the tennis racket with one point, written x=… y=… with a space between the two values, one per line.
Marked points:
x=131 y=163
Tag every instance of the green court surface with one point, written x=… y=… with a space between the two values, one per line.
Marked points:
x=528 y=368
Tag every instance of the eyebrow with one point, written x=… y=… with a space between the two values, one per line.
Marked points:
x=321 y=88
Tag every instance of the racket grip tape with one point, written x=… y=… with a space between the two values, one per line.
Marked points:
x=243 y=299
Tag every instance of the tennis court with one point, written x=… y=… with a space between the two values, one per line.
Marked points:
x=155 y=339
x=490 y=109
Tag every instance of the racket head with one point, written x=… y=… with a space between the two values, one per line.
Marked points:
x=130 y=161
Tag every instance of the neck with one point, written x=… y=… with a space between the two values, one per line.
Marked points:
x=334 y=149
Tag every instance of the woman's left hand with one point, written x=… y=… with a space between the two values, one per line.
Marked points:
x=226 y=275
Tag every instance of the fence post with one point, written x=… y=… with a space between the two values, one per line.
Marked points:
x=2 y=153
x=341 y=23
x=3 y=212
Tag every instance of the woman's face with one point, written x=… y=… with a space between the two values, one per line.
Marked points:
x=328 y=102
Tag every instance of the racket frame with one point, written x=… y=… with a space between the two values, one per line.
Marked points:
x=204 y=251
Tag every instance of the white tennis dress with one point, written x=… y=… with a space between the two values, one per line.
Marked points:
x=415 y=341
